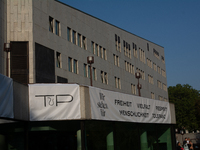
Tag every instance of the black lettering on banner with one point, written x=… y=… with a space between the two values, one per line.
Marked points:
x=143 y=106
x=160 y=108
x=65 y=99
x=123 y=103
x=133 y=114
x=159 y=116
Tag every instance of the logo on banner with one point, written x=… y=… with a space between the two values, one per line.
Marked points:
x=102 y=104
x=54 y=100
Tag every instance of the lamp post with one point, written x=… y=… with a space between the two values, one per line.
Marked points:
x=90 y=60
x=182 y=133
x=139 y=86
x=7 y=49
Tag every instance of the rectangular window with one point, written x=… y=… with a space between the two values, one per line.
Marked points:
x=69 y=34
x=133 y=89
x=88 y=69
x=70 y=64
x=50 y=24
x=119 y=44
x=101 y=51
x=106 y=77
x=105 y=54
x=92 y=47
x=152 y=95
x=75 y=66
x=79 y=40
x=117 y=83
x=102 y=77
x=94 y=74
x=85 y=70
x=96 y=49
x=58 y=60
x=84 y=43
x=57 y=31
x=74 y=37
x=148 y=46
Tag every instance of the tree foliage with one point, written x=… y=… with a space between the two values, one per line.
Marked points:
x=187 y=106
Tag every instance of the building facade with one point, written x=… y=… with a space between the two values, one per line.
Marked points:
x=50 y=42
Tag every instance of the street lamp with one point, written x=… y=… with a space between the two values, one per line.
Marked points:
x=7 y=49
x=139 y=86
x=182 y=133
x=90 y=60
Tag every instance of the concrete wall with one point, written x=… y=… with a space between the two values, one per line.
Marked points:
x=20 y=26
x=29 y=21
x=101 y=33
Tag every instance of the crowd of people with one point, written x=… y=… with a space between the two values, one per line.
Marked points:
x=187 y=145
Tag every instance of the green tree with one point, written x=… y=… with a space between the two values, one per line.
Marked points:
x=185 y=99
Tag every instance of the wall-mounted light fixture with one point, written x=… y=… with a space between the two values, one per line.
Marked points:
x=7 y=48
x=139 y=86
x=90 y=60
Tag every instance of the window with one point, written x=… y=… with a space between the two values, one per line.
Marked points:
x=142 y=55
x=160 y=97
x=164 y=87
x=117 y=43
x=70 y=64
x=84 y=43
x=96 y=49
x=50 y=24
x=116 y=60
x=58 y=60
x=152 y=95
x=159 y=84
x=163 y=73
x=85 y=70
x=154 y=67
x=149 y=63
x=158 y=68
x=75 y=66
x=106 y=77
x=92 y=47
x=69 y=34
x=57 y=31
x=148 y=46
x=79 y=40
x=150 y=79
x=163 y=59
x=156 y=53
x=94 y=74
x=105 y=54
x=135 y=50
x=117 y=83
x=102 y=77
x=74 y=37
x=101 y=52
x=133 y=89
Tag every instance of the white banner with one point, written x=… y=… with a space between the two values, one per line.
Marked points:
x=54 y=101
x=6 y=97
x=109 y=105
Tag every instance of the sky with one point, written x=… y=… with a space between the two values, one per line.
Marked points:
x=173 y=24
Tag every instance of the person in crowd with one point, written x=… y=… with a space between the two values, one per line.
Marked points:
x=179 y=146
x=190 y=145
x=185 y=145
